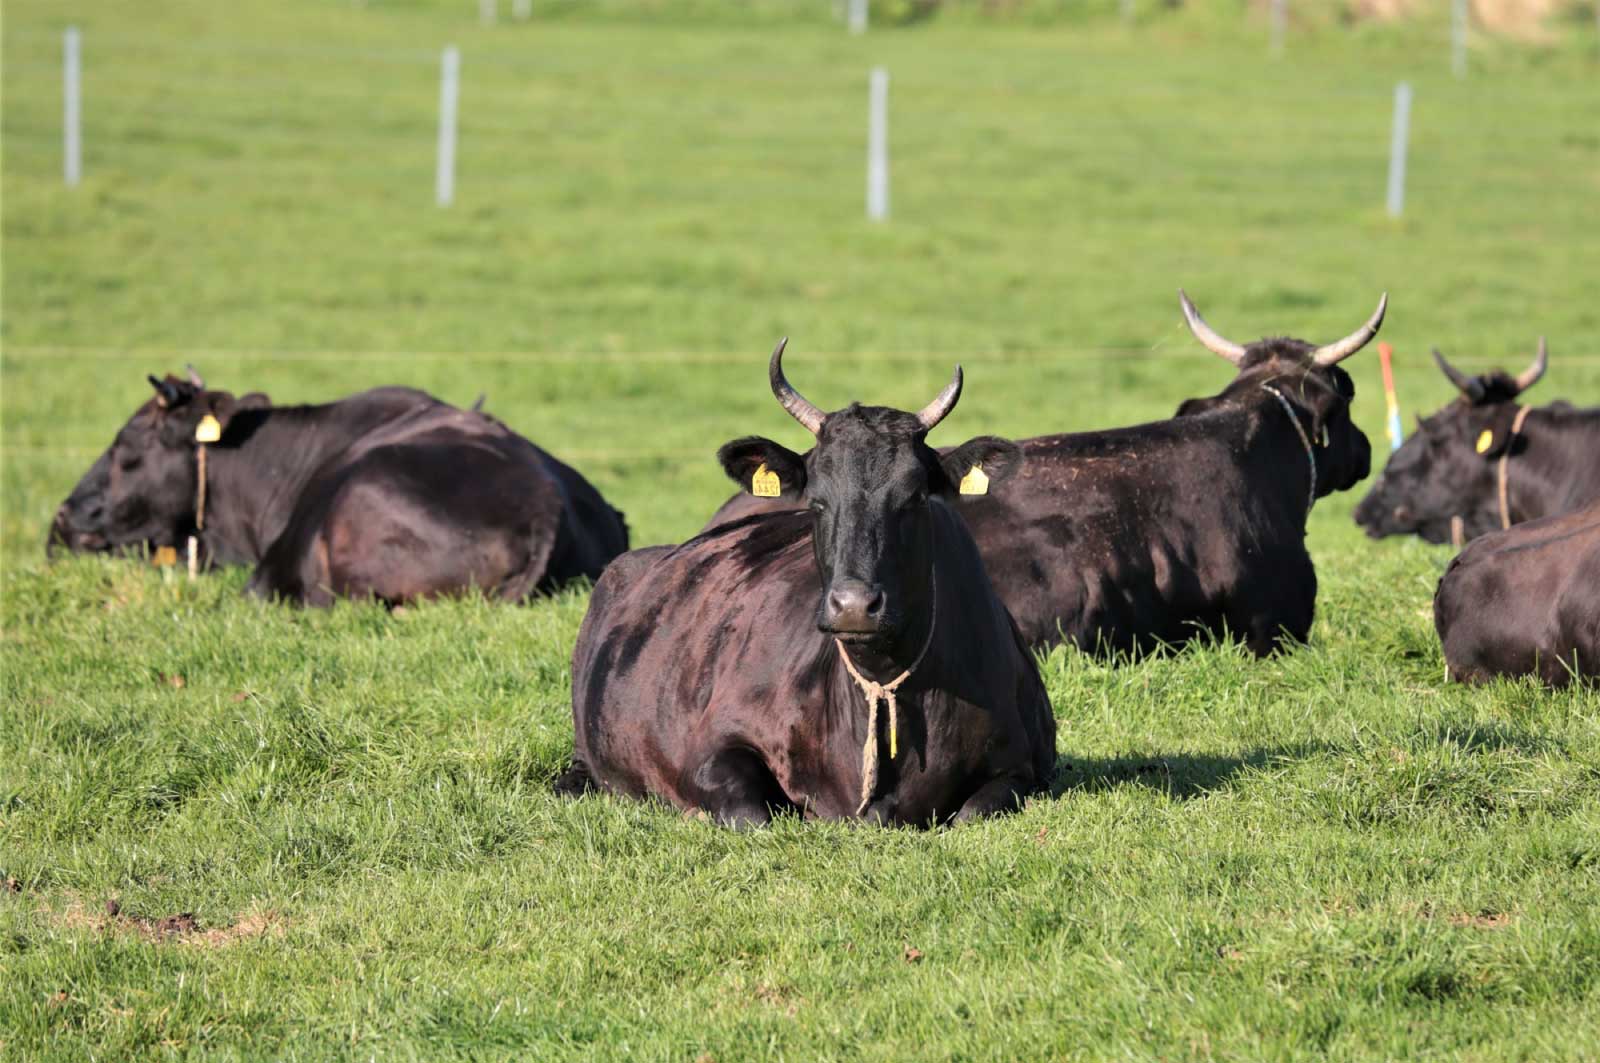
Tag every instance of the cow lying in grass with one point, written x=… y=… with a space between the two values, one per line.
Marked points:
x=1126 y=539
x=389 y=494
x=1486 y=462
x=845 y=659
x=1525 y=601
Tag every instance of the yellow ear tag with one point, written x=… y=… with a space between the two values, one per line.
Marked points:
x=764 y=484
x=209 y=430
x=975 y=482
x=165 y=557
x=1485 y=441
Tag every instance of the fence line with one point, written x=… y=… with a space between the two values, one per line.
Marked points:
x=1162 y=349
x=539 y=64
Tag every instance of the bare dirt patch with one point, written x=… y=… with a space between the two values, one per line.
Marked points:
x=1482 y=920
x=180 y=927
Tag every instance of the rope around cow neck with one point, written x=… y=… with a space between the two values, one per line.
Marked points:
x=1305 y=440
x=200 y=492
x=884 y=692
x=1505 y=456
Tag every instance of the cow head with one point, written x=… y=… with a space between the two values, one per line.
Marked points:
x=870 y=481
x=1447 y=468
x=141 y=491
x=1310 y=378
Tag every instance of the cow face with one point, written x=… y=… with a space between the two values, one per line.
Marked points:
x=141 y=491
x=870 y=483
x=1446 y=469
x=1312 y=381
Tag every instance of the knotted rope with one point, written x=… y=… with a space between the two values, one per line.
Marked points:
x=1505 y=456
x=1305 y=440
x=884 y=692
x=199 y=514
x=200 y=493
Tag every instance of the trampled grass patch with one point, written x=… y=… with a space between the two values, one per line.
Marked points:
x=329 y=834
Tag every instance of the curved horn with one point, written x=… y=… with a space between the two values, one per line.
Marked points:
x=166 y=394
x=1334 y=353
x=1457 y=377
x=1530 y=376
x=194 y=376
x=942 y=403
x=1207 y=335
x=799 y=407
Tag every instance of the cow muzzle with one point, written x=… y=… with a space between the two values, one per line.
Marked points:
x=854 y=611
x=65 y=535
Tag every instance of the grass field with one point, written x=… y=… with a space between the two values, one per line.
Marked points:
x=1332 y=854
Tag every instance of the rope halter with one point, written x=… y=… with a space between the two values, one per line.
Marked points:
x=1305 y=441
x=1505 y=456
x=884 y=692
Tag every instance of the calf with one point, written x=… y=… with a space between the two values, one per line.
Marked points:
x=765 y=666
x=1525 y=601
x=1484 y=462
x=1128 y=539
x=389 y=494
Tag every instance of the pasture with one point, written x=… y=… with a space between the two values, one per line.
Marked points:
x=1330 y=854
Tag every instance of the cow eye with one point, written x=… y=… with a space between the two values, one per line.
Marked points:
x=129 y=462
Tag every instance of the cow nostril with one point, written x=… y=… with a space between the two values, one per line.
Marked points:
x=853 y=602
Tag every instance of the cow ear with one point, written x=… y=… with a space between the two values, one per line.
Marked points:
x=976 y=465
x=763 y=468
x=203 y=419
x=1190 y=407
x=1490 y=438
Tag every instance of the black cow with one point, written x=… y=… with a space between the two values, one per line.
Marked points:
x=1122 y=540
x=389 y=494
x=1484 y=462
x=760 y=667
x=1525 y=601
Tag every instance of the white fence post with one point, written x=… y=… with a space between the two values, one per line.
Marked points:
x=1280 y=24
x=878 y=145
x=444 y=190
x=72 y=108
x=522 y=10
x=486 y=11
x=858 y=16
x=1127 y=12
x=1397 y=149
x=1458 y=38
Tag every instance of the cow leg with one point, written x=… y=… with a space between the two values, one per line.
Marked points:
x=738 y=789
x=575 y=781
x=1270 y=617
x=1003 y=793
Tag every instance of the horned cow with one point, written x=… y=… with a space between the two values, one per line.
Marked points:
x=1485 y=461
x=1130 y=538
x=389 y=494
x=848 y=658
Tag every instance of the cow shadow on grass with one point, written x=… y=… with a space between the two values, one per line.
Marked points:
x=1183 y=776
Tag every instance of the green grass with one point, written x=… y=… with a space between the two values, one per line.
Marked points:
x=1332 y=854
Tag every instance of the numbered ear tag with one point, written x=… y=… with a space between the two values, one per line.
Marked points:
x=975 y=482
x=764 y=484
x=1485 y=441
x=165 y=557
x=209 y=430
